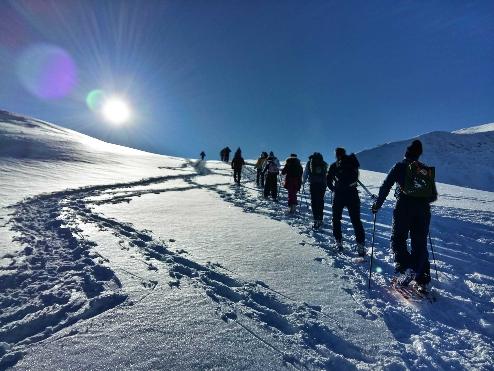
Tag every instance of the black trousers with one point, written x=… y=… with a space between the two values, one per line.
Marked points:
x=237 y=175
x=351 y=200
x=411 y=216
x=271 y=185
x=317 y=192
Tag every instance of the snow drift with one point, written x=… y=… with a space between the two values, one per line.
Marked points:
x=463 y=157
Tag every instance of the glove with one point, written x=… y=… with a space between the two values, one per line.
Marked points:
x=375 y=208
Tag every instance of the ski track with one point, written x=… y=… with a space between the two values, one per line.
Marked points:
x=64 y=281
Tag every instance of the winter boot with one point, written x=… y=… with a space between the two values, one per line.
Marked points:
x=361 y=249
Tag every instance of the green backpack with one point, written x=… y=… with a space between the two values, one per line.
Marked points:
x=419 y=180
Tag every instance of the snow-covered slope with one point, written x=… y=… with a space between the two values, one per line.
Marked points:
x=463 y=157
x=113 y=258
x=476 y=129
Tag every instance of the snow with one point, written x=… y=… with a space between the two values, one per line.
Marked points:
x=476 y=129
x=462 y=158
x=116 y=258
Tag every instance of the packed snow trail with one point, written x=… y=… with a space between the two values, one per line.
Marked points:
x=60 y=230
x=457 y=330
x=305 y=339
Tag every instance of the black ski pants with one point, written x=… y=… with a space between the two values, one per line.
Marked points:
x=411 y=216
x=271 y=185
x=237 y=175
x=351 y=200
x=317 y=192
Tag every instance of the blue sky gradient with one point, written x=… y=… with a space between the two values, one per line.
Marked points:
x=288 y=76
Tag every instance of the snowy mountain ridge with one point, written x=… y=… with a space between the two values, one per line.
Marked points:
x=115 y=258
x=476 y=129
x=463 y=157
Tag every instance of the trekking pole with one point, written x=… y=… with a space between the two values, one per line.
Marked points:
x=373 y=196
x=433 y=257
x=372 y=249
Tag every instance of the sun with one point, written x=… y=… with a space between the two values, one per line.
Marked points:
x=116 y=110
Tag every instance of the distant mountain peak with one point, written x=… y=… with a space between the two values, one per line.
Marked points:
x=476 y=129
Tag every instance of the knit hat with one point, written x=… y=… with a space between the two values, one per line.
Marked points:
x=293 y=155
x=340 y=152
x=414 y=149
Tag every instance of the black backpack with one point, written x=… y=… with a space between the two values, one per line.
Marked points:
x=317 y=169
x=419 y=180
x=347 y=172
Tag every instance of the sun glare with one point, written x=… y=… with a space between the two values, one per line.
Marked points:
x=116 y=111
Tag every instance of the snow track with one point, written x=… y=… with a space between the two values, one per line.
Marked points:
x=454 y=332
x=61 y=278
x=58 y=260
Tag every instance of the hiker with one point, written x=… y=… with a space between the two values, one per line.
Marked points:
x=227 y=154
x=415 y=191
x=270 y=172
x=222 y=155
x=316 y=170
x=342 y=181
x=203 y=155
x=237 y=164
x=293 y=171
x=259 y=166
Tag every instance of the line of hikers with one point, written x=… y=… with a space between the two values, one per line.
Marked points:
x=414 y=192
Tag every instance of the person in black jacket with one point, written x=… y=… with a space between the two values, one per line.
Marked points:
x=293 y=171
x=227 y=154
x=342 y=181
x=315 y=171
x=412 y=216
x=237 y=164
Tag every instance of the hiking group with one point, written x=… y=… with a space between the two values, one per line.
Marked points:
x=414 y=192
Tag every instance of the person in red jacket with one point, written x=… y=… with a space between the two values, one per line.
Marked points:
x=293 y=171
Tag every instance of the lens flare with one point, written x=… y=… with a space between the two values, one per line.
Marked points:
x=379 y=269
x=116 y=111
x=47 y=71
x=94 y=100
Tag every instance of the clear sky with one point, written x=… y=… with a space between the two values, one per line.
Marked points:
x=289 y=76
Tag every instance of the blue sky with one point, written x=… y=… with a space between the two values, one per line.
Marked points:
x=288 y=76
